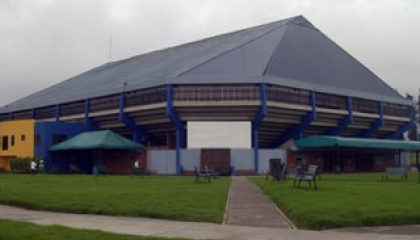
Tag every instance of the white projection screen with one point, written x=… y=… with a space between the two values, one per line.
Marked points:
x=219 y=135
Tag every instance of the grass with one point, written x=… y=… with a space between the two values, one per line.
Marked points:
x=11 y=230
x=174 y=198
x=351 y=200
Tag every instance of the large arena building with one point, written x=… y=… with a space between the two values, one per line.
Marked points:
x=279 y=81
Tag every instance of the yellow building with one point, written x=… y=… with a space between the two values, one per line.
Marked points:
x=16 y=140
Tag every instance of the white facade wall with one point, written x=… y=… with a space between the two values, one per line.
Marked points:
x=219 y=135
x=161 y=161
x=164 y=161
x=266 y=154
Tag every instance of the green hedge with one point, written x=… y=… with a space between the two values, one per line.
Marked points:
x=23 y=165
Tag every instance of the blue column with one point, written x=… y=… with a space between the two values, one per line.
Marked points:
x=90 y=125
x=179 y=127
x=256 y=148
x=138 y=132
x=343 y=123
x=296 y=131
x=57 y=112
x=375 y=126
x=33 y=113
x=256 y=123
x=86 y=111
x=137 y=136
x=11 y=116
x=121 y=105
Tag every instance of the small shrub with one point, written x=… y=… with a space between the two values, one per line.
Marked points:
x=21 y=165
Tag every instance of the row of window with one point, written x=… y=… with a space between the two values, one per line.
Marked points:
x=212 y=93
x=5 y=143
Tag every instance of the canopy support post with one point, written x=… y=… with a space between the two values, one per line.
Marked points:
x=399 y=159
x=179 y=126
x=338 y=170
x=417 y=163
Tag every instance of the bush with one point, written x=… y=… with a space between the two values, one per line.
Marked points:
x=22 y=165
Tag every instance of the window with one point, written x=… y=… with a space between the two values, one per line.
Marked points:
x=12 y=140
x=58 y=138
x=37 y=140
x=5 y=143
x=22 y=137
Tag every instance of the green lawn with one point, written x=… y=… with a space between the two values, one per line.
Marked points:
x=350 y=200
x=10 y=230
x=175 y=198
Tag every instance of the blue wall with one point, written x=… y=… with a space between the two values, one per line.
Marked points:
x=46 y=130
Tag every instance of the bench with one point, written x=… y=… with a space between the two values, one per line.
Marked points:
x=395 y=171
x=293 y=172
x=213 y=173
x=308 y=176
x=225 y=171
x=138 y=171
x=205 y=174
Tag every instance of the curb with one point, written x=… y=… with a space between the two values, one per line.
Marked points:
x=224 y=222
x=286 y=219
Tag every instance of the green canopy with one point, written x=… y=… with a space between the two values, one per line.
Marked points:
x=330 y=141
x=105 y=139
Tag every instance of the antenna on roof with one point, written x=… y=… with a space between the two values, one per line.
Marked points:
x=110 y=49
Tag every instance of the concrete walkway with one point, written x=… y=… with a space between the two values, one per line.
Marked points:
x=249 y=207
x=192 y=230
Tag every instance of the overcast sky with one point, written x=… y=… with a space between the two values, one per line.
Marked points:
x=43 y=42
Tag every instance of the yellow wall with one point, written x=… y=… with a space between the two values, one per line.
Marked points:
x=21 y=147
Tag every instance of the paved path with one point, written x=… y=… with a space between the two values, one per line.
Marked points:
x=192 y=230
x=249 y=207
